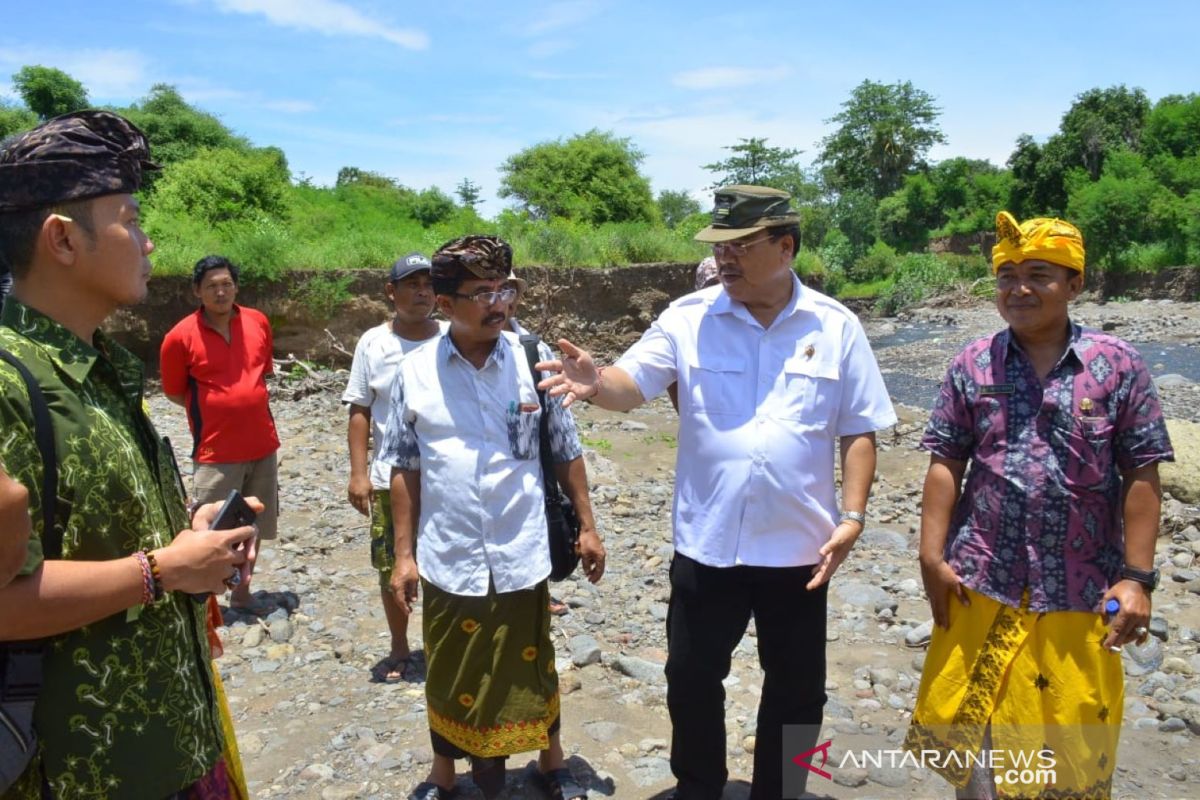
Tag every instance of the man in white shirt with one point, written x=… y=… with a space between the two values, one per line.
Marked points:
x=409 y=290
x=772 y=375
x=462 y=440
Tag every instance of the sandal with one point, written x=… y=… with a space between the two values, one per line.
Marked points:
x=557 y=607
x=428 y=790
x=559 y=784
x=389 y=669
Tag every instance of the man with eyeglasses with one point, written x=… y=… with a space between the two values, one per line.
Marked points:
x=462 y=441
x=214 y=363
x=772 y=376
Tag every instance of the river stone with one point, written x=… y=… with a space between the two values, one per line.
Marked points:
x=920 y=635
x=860 y=594
x=639 y=669
x=1182 y=478
x=585 y=650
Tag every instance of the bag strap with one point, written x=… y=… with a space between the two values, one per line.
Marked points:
x=530 y=343
x=43 y=432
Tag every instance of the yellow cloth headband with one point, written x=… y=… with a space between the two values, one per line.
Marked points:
x=1041 y=239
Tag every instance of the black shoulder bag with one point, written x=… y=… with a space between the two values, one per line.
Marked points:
x=562 y=523
x=21 y=662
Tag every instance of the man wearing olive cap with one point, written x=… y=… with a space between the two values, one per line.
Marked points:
x=463 y=441
x=773 y=377
x=126 y=707
x=1063 y=432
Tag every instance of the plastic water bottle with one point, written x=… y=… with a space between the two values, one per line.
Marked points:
x=1139 y=659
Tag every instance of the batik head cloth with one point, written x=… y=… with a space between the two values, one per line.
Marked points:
x=1040 y=239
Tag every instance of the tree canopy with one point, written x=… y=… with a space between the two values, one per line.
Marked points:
x=49 y=92
x=884 y=132
x=591 y=177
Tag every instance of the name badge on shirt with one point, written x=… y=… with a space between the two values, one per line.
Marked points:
x=997 y=388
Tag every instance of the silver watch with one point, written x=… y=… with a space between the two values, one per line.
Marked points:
x=855 y=516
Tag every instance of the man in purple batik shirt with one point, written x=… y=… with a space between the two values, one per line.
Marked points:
x=1059 y=432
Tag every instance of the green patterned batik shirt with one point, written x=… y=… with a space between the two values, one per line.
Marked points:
x=127 y=708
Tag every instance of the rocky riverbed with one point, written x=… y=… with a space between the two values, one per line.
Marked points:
x=312 y=725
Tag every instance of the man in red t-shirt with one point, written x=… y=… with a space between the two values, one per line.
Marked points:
x=214 y=363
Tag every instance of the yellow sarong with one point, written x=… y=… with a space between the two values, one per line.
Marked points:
x=1040 y=685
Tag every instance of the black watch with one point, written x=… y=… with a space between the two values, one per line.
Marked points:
x=1146 y=577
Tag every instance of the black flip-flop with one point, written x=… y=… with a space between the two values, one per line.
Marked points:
x=559 y=784
x=428 y=790
x=389 y=669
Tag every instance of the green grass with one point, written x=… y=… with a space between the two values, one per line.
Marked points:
x=868 y=290
x=660 y=438
x=599 y=445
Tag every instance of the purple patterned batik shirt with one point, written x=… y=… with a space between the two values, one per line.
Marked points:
x=1042 y=508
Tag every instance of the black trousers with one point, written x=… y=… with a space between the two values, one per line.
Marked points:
x=708 y=614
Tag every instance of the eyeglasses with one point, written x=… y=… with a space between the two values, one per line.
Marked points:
x=485 y=298
x=737 y=248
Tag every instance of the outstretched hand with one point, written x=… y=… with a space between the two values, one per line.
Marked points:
x=575 y=378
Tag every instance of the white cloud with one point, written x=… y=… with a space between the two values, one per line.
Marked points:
x=548 y=47
x=290 y=106
x=728 y=77
x=562 y=15
x=328 y=17
x=204 y=94
x=546 y=75
x=107 y=74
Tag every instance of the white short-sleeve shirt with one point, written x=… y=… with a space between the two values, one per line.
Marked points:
x=760 y=411
x=474 y=435
x=372 y=373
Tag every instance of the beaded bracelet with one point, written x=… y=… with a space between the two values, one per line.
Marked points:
x=147 y=578
x=155 y=574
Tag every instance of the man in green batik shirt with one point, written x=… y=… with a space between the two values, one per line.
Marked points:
x=126 y=709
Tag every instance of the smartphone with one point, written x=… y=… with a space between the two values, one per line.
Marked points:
x=234 y=513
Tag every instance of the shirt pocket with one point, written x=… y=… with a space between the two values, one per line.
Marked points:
x=523 y=424
x=719 y=386
x=809 y=389
x=1087 y=444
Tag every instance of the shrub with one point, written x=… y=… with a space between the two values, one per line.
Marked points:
x=878 y=263
x=918 y=277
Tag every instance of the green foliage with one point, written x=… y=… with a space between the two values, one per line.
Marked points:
x=432 y=206
x=600 y=445
x=49 y=92
x=1173 y=127
x=564 y=242
x=918 y=277
x=468 y=192
x=884 y=133
x=1112 y=211
x=15 y=119
x=813 y=270
x=675 y=206
x=878 y=263
x=591 y=177
x=855 y=215
x=177 y=131
x=224 y=185
x=755 y=164
x=323 y=295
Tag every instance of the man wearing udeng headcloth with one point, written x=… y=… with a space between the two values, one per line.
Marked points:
x=1058 y=518
x=126 y=708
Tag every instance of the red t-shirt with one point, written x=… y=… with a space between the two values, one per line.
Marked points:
x=223 y=385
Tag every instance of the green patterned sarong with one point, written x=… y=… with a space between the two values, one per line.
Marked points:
x=491 y=687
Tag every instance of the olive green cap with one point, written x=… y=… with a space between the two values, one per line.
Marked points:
x=742 y=210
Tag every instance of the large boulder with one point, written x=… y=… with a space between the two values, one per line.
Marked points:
x=1182 y=478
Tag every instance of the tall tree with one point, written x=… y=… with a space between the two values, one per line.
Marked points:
x=177 y=130
x=675 y=206
x=754 y=163
x=591 y=177
x=468 y=192
x=49 y=92
x=884 y=132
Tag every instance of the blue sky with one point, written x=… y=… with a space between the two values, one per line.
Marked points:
x=430 y=93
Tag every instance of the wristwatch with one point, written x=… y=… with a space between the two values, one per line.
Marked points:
x=855 y=516
x=1146 y=577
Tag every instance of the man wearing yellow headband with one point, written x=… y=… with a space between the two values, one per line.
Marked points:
x=1042 y=567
